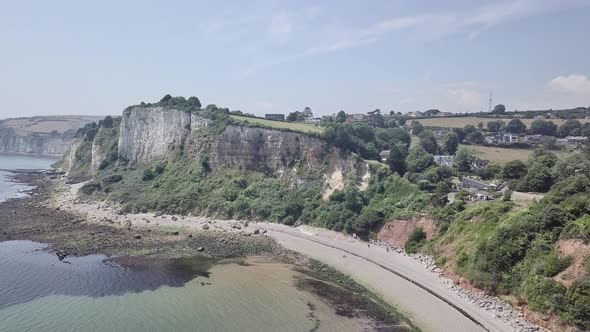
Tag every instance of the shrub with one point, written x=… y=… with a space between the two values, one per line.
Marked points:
x=415 y=241
x=541 y=292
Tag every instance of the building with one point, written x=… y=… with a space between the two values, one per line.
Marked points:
x=313 y=120
x=444 y=114
x=479 y=196
x=444 y=160
x=277 y=117
x=468 y=183
x=357 y=117
x=533 y=138
x=384 y=155
x=576 y=139
x=478 y=163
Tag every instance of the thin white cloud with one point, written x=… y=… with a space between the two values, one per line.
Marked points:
x=280 y=27
x=575 y=83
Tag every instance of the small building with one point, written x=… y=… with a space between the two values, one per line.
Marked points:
x=479 y=163
x=444 y=160
x=313 y=120
x=469 y=183
x=479 y=196
x=576 y=139
x=444 y=114
x=277 y=117
x=384 y=155
x=357 y=117
x=533 y=138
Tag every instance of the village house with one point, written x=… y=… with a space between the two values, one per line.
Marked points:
x=357 y=117
x=384 y=155
x=444 y=114
x=277 y=117
x=469 y=183
x=479 y=163
x=533 y=138
x=444 y=160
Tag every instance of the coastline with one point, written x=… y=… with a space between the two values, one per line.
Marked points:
x=50 y=215
x=433 y=302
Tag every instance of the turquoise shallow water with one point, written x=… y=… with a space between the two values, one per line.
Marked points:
x=9 y=189
x=40 y=293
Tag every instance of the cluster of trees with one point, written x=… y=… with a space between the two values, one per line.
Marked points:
x=298 y=116
x=570 y=127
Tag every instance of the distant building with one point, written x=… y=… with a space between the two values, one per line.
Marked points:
x=357 y=117
x=416 y=114
x=444 y=160
x=478 y=163
x=313 y=120
x=576 y=139
x=444 y=114
x=468 y=183
x=277 y=117
x=479 y=196
x=533 y=138
x=384 y=155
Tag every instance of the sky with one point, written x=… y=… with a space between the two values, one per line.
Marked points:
x=97 y=57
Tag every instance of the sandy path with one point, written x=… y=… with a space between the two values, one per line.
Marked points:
x=400 y=280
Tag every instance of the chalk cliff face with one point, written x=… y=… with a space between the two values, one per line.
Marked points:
x=148 y=134
x=34 y=144
x=152 y=133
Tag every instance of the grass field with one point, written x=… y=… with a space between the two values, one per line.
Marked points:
x=295 y=126
x=504 y=155
x=463 y=121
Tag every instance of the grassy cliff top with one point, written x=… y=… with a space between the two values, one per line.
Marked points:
x=294 y=126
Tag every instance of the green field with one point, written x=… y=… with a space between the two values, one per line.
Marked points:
x=504 y=155
x=460 y=122
x=295 y=126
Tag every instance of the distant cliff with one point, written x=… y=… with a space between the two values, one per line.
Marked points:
x=45 y=135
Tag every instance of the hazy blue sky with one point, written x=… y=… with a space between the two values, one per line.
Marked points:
x=96 y=57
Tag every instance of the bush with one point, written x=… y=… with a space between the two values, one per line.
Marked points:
x=542 y=292
x=578 y=298
x=415 y=241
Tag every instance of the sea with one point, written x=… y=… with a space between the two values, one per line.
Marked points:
x=39 y=292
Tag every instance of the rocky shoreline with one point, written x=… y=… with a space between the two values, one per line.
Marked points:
x=51 y=215
x=71 y=233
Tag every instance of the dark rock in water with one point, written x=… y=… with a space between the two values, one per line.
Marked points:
x=174 y=218
x=200 y=249
x=137 y=236
x=190 y=235
x=61 y=255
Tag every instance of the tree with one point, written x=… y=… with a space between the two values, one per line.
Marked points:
x=463 y=159
x=499 y=109
x=165 y=99
x=475 y=137
x=194 y=101
x=295 y=117
x=569 y=127
x=428 y=142
x=468 y=129
x=419 y=159
x=451 y=143
x=397 y=160
x=307 y=113
x=537 y=179
x=341 y=117
x=543 y=127
x=495 y=126
x=107 y=122
x=516 y=126
x=460 y=134
x=417 y=127
x=514 y=169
